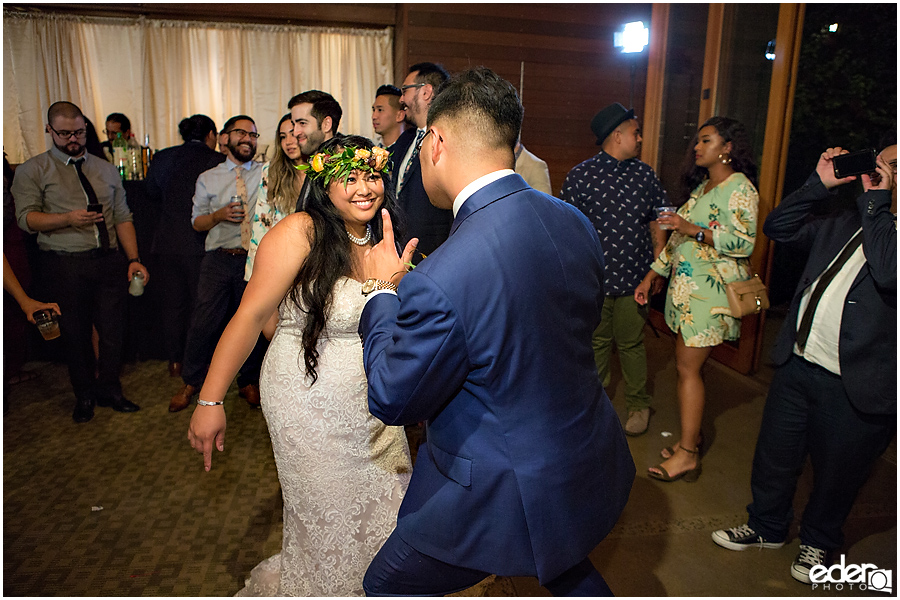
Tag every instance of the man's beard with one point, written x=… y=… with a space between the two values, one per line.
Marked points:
x=242 y=151
x=313 y=141
x=71 y=148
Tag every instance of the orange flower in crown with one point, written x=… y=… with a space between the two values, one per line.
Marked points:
x=342 y=162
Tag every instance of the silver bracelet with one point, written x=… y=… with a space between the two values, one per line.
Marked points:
x=205 y=403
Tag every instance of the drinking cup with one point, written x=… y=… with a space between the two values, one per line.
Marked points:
x=136 y=287
x=664 y=209
x=47 y=323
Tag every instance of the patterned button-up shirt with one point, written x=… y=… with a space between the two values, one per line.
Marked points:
x=618 y=197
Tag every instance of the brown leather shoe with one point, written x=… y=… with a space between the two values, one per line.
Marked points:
x=182 y=399
x=250 y=393
x=174 y=369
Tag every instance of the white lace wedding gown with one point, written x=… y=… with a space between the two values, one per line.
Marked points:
x=343 y=472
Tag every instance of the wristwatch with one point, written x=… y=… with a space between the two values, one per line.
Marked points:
x=371 y=285
x=700 y=236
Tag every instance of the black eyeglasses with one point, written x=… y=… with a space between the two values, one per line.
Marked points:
x=67 y=134
x=411 y=86
x=241 y=133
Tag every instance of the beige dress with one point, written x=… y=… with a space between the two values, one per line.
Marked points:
x=343 y=473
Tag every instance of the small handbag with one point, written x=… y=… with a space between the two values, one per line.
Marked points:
x=746 y=297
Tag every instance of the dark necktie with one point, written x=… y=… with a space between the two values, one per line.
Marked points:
x=824 y=280
x=92 y=199
x=419 y=136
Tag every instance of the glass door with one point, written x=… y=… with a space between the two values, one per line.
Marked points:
x=744 y=71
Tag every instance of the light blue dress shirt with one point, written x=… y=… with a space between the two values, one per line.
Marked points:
x=214 y=191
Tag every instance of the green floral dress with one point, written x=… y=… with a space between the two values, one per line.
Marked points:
x=265 y=216
x=696 y=304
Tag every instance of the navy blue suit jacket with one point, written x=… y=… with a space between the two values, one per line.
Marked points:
x=868 y=335
x=423 y=220
x=526 y=467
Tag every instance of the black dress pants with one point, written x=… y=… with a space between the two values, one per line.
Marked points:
x=178 y=276
x=90 y=288
x=808 y=412
x=219 y=294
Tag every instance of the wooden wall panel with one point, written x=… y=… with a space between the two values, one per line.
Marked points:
x=571 y=69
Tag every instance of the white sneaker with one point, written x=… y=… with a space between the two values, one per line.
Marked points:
x=809 y=557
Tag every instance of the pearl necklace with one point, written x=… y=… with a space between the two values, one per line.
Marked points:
x=363 y=240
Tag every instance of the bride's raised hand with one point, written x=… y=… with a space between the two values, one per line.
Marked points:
x=381 y=261
x=207 y=428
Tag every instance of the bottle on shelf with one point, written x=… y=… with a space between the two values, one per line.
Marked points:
x=135 y=167
x=120 y=155
x=146 y=154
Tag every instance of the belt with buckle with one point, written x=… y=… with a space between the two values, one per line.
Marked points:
x=93 y=253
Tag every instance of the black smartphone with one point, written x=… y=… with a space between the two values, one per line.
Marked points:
x=854 y=163
x=95 y=207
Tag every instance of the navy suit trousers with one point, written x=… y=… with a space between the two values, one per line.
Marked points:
x=400 y=570
x=218 y=297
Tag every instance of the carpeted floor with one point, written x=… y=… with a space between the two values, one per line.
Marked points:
x=121 y=506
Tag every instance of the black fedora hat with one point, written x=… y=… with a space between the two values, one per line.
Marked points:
x=605 y=121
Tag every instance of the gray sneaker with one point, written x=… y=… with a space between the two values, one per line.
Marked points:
x=741 y=538
x=638 y=422
x=809 y=557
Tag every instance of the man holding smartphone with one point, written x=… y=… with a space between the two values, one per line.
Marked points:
x=834 y=393
x=224 y=199
x=75 y=203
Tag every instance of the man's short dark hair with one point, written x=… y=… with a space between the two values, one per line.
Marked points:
x=323 y=105
x=431 y=73
x=196 y=128
x=393 y=94
x=121 y=119
x=229 y=124
x=488 y=103
x=64 y=109
x=388 y=90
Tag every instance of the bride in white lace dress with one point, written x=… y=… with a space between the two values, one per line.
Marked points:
x=343 y=473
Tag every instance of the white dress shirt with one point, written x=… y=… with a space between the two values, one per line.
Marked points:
x=823 y=344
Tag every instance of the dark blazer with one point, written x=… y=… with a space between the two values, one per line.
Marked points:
x=868 y=335
x=431 y=225
x=525 y=468
x=171 y=180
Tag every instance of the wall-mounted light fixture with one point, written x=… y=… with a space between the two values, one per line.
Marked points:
x=770 y=50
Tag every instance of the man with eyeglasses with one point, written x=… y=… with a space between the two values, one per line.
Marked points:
x=424 y=221
x=224 y=199
x=116 y=123
x=76 y=204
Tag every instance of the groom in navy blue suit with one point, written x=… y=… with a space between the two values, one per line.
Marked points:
x=525 y=468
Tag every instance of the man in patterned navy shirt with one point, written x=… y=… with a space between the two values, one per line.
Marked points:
x=618 y=193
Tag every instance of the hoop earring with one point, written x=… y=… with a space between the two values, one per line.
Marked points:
x=726 y=160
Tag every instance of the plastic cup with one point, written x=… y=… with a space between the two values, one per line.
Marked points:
x=47 y=323
x=664 y=209
x=136 y=287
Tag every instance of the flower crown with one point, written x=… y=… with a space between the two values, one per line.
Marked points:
x=338 y=166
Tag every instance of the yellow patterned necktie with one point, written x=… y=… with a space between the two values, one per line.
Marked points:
x=245 y=224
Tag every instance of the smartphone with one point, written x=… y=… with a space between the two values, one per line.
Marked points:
x=95 y=207
x=854 y=163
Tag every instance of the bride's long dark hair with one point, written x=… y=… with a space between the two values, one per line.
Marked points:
x=330 y=255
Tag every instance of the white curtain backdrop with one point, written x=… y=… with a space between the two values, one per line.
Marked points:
x=158 y=72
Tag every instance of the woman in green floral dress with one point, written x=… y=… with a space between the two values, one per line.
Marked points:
x=713 y=235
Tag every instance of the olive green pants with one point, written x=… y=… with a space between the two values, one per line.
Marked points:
x=622 y=322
